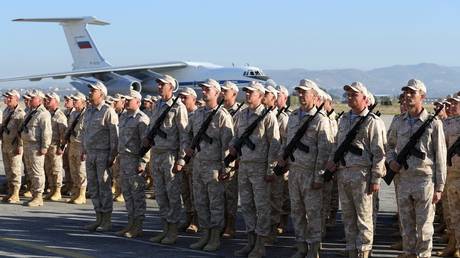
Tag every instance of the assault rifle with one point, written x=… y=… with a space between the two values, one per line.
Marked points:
x=71 y=129
x=201 y=134
x=409 y=149
x=295 y=144
x=347 y=146
x=24 y=125
x=4 y=126
x=233 y=112
x=156 y=130
x=244 y=138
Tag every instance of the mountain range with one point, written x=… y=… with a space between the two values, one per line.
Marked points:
x=439 y=80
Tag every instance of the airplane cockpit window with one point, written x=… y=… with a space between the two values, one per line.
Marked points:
x=251 y=73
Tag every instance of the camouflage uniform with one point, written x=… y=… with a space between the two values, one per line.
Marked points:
x=254 y=166
x=132 y=130
x=100 y=143
x=355 y=177
x=164 y=154
x=36 y=136
x=305 y=170
x=418 y=183
x=452 y=132
x=231 y=184
x=11 y=160
x=187 y=182
x=278 y=197
x=67 y=181
x=77 y=167
x=443 y=210
x=208 y=163
x=53 y=162
x=330 y=189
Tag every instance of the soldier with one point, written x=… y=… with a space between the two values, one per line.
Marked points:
x=149 y=105
x=13 y=117
x=417 y=193
x=283 y=118
x=119 y=106
x=305 y=180
x=53 y=158
x=100 y=148
x=67 y=182
x=26 y=182
x=37 y=139
x=133 y=125
x=168 y=158
x=208 y=164
x=229 y=93
x=359 y=176
x=255 y=169
x=276 y=186
x=188 y=97
x=452 y=134
x=75 y=149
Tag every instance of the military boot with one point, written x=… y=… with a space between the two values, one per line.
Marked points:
x=259 y=248
x=248 y=247
x=14 y=198
x=301 y=250
x=193 y=227
x=9 y=192
x=159 y=237
x=127 y=228
x=449 y=250
x=281 y=228
x=363 y=254
x=214 y=241
x=56 y=196
x=94 y=225
x=136 y=229
x=457 y=253
x=171 y=236
x=273 y=235
x=203 y=240
x=229 y=231
x=80 y=196
x=313 y=250
x=36 y=201
x=106 y=223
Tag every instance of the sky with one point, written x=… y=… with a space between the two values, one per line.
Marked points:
x=269 y=34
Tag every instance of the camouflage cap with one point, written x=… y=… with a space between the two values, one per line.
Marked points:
x=98 y=86
x=254 y=86
x=415 y=84
x=357 y=87
x=78 y=96
x=12 y=93
x=36 y=93
x=228 y=85
x=53 y=95
x=211 y=83
x=306 y=84
x=187 y=91
x=167 y=79
x=133 y=94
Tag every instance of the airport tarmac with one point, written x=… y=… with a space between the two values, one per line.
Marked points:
x=56 y=230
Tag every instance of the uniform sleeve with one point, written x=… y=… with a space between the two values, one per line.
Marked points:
x=181 y=123
x=189 y=129
x=112 y=123
x=440 y=149
x=335 y=143
x=273 y=138
x=236 y=124
x=377 y=150
x=62 y=127
x=46 y=132
x=141 y=131
x=325 y=142
x=392 y=140
x=19 y=121
x=226 y=135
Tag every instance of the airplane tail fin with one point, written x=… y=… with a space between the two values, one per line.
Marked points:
x=81 y=45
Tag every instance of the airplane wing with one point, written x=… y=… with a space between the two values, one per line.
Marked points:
x=90 y=72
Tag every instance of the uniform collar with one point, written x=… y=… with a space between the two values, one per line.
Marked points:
x=422 y=117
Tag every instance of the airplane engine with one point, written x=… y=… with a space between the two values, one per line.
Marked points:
x=115 y=83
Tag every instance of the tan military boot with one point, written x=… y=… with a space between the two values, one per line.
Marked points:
x=106 y=223
x=203 y=240
x=313 y=250
x=36 y=201
x=248 y=247
x=214 y=241
x=363 y=254
x=136 y=229
x=9 y=192
x=80 y=196
x=449 y=250
x=171 y=236
x=94 y=225
x=56 y=196
x=127 y=228
x=301 y=250
x=457 y=253
x=259 y=248
x=159 y=237
x=14 y=198
x=229 y=231
x=27 y=194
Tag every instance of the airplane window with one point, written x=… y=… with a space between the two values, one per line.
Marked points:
x=251 y=73
x=257 y=73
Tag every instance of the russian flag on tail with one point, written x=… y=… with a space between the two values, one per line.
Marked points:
x=84 y=44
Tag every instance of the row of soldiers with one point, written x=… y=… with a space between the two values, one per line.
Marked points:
x=219 y=153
